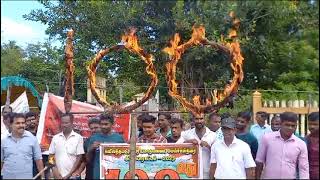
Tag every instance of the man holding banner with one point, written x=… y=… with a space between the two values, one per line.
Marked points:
x=5 y=111
x=67 y=149
x=18 y=150
x=106 y=136
x=204 y=137
x=149 y=131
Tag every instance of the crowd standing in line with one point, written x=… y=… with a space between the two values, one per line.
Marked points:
x=230 y=147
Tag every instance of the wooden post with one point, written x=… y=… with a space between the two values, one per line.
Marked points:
x=303 y=119
x=256 y=104
x=295 y=103
x=8 y=96
x=133 y=140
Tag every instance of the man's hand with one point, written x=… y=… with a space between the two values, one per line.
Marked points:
x=56 y=173
x=75 y=174
x=67 y=176
x=205 y=144
x=193 y=141
x=43 y=148
x=95 y=145
x=58 y=176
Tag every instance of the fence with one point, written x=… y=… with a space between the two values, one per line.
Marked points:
x=301 y=107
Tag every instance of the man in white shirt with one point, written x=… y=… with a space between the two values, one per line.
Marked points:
x=67 y=149
x=204 y=137
x=231 y=158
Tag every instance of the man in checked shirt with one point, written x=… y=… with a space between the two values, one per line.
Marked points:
x=149 y=131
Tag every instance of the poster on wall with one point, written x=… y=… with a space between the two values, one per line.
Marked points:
x=153 y=161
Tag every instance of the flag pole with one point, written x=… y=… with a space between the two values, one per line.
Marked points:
x=8 y=97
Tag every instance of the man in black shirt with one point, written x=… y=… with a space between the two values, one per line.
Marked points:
x=176 y=129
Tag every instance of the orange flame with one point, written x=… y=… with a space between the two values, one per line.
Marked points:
x=130 y=41
x=198 y=35
x=196 y=100
x=175 y=52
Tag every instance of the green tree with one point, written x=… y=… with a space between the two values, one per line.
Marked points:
x=11 y=59
x=273 y=35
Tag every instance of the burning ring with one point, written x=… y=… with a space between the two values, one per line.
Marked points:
x=129 y=42
x=233 y=51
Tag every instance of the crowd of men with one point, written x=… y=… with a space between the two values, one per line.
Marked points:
x=231 y=147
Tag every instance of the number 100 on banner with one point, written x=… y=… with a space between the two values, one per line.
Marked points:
x=153 y=161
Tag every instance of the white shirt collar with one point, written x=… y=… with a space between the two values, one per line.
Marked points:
x=25 y=133
x=71 y=134
x=234 y=141
x=264 y=126
x=206 y=133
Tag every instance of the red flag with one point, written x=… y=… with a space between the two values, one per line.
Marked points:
x=53 y=107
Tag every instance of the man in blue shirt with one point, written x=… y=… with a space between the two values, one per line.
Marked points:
x=106 y=136
x=18 y=150
x=261 y=128
x=214 y=125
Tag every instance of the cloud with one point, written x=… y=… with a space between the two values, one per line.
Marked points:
x=20 y=32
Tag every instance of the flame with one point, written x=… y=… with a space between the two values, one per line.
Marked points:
x=208 y=101
x=196 y=100
x=130 y=42
x=198 y=35
x=175 y=51
x=51 y=160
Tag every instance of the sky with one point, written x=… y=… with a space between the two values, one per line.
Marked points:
x=15 y=27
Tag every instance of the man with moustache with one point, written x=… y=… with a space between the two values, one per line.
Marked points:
x=275 y=123
x=261 y=128
x=214 y=125
x=242 y=124
x=204 y=137
x=164 y=124
x=18 y=150
x=67 y=149
x=231 y=158
x=176 y=129
x=280 y=152
x=105 y=136
x=32 y=122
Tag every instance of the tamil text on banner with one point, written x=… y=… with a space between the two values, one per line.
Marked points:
x=53 y=108
x=153 y=161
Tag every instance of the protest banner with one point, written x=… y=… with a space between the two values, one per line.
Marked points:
x=20 y=105
x=52 y=109
x=153 y=161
